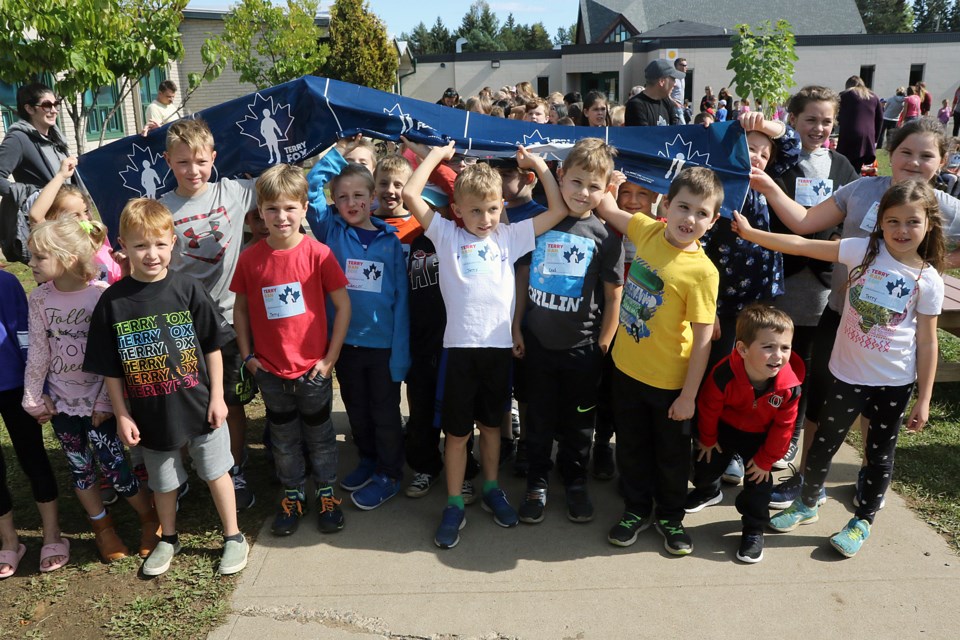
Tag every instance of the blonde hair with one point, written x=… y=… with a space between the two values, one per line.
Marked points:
x=593 y=155
x=67 y=238
x=393 y=165
x=362 y=143
x=617 y=115
x=147 y=216
x=478 y=104
x=281 y=181
x=478 y=180
x=193 y=133
x=58 y=208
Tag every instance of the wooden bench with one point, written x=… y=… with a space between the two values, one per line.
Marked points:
x=949 y=321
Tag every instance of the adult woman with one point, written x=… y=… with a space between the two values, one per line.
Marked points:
x=860 y=119
x=596 y=111
x=708 y=100
x=926 y=98
x=725 y=95
x=32 y=151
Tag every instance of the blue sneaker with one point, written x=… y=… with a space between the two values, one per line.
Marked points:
x=448 y=533
x=788 y=491
x=794 y=516
x=734 y=472
x=360 y=476
x=376 y=492
x=849 y=539
x=858 y=496
x=495 y=501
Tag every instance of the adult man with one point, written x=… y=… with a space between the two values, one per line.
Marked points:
x=676 y=94
x=653 y=106
x=161 y=110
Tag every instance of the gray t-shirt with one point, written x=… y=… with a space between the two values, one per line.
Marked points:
x=209 y=230
x=859 y=202
x=567 y=270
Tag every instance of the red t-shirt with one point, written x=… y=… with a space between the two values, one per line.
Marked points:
x=286 y=302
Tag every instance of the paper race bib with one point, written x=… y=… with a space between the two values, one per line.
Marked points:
x=476 y=258
x=283 y=300
x=812 y=191
x=869 y=222
x=567 y=255
x=364 y=275
x=889 y=291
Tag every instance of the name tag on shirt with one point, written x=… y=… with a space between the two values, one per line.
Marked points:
x=889 y=291
x=476 y=258
x=283 y=300
x=869 y=222
x=812 y=191
x=364 y=275
x=568 y=255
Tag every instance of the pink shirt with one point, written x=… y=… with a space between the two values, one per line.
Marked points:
x=109 y=270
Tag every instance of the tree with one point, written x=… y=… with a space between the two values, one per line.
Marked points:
x=565 y=35
x=419 y=40
x=89 y=44
x=510 y=36
x=442 y=40
x=537 y=38
x=886 y=16
x=931 y=15
x=762 y=62
x=266 y=44
x=481 y=27
x=359 y=49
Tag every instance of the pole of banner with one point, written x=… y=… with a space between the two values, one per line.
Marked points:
x=466 y=125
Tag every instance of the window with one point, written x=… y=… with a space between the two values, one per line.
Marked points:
x=8 y=98
x=916 y=73
x=543 y=85
x=619 y=34
x=100 y=105
x=866 y=74
x=149 y=89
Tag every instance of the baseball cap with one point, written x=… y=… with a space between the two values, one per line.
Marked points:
x=661 y=68
x=723 y=103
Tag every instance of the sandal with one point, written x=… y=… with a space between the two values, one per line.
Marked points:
x=12 y=559
x=53 y=550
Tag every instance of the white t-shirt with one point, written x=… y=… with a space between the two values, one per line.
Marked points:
x=877 y=339
x=477 y=280
x=161 y=113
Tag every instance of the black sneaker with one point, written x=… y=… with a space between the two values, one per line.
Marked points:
x=751 y=547
x=330 y=517
x=531 y=510
x=521 y=464
x=697 y=500
x=579 y=506
x=675 y=538
x=604 y=467
x=291 y=510
x=624 y=533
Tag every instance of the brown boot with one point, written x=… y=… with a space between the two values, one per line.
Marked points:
x=109 y=544
x=149 y=532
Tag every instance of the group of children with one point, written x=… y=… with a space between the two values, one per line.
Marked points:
x=454 y=279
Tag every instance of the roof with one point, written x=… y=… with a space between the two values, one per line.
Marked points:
x=598 y=17
x=684 y=28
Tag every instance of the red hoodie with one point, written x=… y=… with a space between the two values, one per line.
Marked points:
x=728 y=396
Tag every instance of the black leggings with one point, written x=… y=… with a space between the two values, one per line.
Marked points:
x=27 y=439
x=885 y=407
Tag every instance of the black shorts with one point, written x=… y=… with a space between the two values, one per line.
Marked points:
x=232 y=363
x=473 y=384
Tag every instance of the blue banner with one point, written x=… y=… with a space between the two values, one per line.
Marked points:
x=299 y=119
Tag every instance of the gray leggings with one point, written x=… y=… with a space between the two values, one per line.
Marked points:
x=884 y=407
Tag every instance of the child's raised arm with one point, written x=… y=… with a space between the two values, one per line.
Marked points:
x=795 y=216
x=613 y=215
x=825 y=250
x=413 y=190
x=40 y=207
x=556 y=207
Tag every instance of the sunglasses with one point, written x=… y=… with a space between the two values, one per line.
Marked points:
x=47 y=105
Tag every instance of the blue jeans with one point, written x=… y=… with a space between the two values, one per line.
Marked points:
x=298 y=411
x=81 y=441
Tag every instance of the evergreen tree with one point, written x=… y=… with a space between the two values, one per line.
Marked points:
x=932 y=15
x=537 y=38
x=886 y=16
x=565 y=35
x=359 y=49
x=441 y=40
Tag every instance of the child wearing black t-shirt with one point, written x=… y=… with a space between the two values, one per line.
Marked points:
x=156 y=336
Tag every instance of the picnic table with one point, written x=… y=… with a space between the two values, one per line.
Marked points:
x=949 y=321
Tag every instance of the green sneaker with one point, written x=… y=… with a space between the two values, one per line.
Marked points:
x=849 y=539
x=160 y=558
x=234 y=557
x=794 y=516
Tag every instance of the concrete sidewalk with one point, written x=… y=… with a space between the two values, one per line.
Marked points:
x=382 y=576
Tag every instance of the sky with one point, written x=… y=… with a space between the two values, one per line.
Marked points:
x=399 y=15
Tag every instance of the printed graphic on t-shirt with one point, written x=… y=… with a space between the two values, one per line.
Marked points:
x=812 y=191
x=204 y=240
x=283 y=300
x=149 y=370
x=642 y=295
x=557 y=271
x=878 y=302
x=364 y=275
x=424 y=270
x=477 y=258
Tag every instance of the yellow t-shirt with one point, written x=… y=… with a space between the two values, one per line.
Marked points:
x=666 y=290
